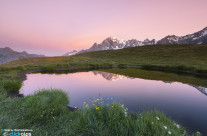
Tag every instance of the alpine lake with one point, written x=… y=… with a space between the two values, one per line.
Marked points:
x=181 y=97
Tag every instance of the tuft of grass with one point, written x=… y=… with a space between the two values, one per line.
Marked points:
x=114 y=119
x=12 y=85
x=44 y=106
x=32 y=111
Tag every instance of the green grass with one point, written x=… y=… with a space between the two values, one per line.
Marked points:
x=169 y=57
x=12 y=86
x=191 y=58
x=10 y=74
x=46 y=113
x=44 y=106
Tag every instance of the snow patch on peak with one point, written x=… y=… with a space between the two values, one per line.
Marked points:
x=71 y=53
x=114 y=38
x=118 y=40
x=205 y=90
x=204 y=33
x=116 y=48
x=173 y=38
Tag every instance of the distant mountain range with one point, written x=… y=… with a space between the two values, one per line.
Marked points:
x=71 y=53
x=7 y=54
x=114 y=43
x=199 y=37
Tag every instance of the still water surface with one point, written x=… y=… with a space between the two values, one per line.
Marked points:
x=187 y=104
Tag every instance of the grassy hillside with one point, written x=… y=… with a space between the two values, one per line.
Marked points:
x=184 y=57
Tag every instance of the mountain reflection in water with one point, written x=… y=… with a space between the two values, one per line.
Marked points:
x=187 y=104
x=115 y=77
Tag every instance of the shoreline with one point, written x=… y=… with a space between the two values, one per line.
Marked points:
x=22 y=74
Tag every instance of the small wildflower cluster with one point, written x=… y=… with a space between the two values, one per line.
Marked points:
x=178 y=126
x=95 y=102
x=157 y=118
x=85 y=105
x=125 y=112
x=140 y=115
x=165 y=127
x=125 y=109
x=169 y=132
x=198 y=133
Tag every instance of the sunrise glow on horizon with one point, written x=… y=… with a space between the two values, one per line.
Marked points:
x=54 y=27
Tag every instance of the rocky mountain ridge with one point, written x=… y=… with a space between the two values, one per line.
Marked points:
x=199 y=37
x=114 y=43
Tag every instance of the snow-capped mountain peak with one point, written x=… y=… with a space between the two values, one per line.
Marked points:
x=115 y=43
x=199 y=37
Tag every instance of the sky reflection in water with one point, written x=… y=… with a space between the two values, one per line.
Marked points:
x=184 y=103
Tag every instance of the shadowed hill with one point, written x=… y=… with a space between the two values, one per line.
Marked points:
x=7 y=54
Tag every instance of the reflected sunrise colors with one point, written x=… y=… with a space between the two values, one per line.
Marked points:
x=177 y=100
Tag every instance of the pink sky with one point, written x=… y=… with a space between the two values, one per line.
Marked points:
x=54 y=27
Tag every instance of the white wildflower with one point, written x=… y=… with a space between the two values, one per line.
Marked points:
x=178 y=126
x=125 y=113
x=165 y=127
x=169 y=132
x=157 y=118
